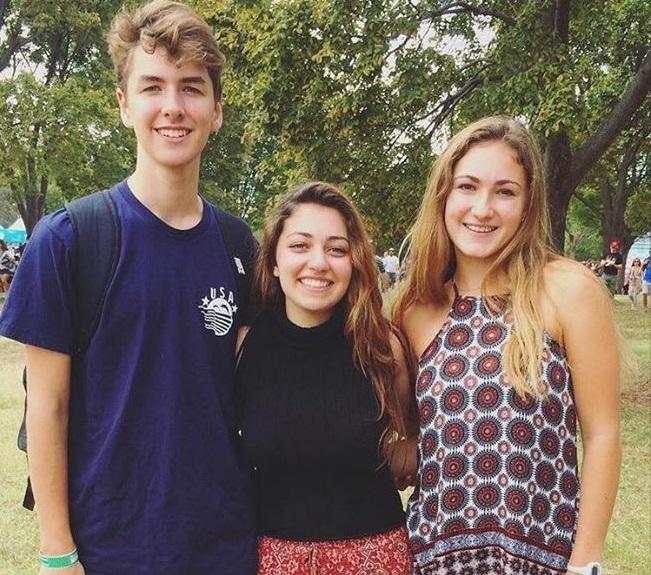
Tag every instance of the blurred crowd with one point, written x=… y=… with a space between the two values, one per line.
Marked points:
x=9 y=258
x=633 y=280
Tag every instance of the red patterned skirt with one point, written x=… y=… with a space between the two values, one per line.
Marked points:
x=384 y=554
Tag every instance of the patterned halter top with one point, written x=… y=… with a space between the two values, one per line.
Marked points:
x=498 y=485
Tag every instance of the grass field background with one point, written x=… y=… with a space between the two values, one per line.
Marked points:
x=628 y=548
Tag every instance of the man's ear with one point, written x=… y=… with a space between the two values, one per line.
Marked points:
x=217 y=117
x=124 y=108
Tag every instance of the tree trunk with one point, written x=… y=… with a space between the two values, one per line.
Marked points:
x=31 y=201
x=558 y=161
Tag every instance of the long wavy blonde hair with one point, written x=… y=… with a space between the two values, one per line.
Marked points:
x=366 y=329
x=521 y=261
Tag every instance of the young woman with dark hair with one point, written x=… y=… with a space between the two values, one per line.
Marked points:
x=325 y=399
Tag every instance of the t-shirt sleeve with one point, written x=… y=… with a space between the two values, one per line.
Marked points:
x=39 y=306
x=251 y=248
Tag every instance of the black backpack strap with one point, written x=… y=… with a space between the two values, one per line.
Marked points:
x=242 y=249
x=97 y=245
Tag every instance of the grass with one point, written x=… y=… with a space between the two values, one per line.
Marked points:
x=19 y=540
x=629 y=539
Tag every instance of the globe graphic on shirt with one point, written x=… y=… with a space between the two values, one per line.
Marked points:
x=217 y=314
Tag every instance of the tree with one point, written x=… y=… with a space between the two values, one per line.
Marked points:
x=57 y=125
x=361 y=92
x=577 y=72
x=614 y=202
x=308 y=86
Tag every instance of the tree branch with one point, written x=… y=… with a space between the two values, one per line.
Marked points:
x=13 y=44
x=461 y=7
x=631 y=100
x=562 y=20
x=446 y=107
x=588 y=204
x=5 y=6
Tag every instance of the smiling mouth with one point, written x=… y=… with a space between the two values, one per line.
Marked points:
x=173 y=133
x=480 y=229
x=315 y=283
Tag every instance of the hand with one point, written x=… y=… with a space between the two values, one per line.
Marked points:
x=403 y=459
x=77 y=569
x=403 y=482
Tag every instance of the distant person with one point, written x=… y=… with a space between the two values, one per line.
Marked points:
x=383 y=279
x=646 y=281
x=7 y=266
x=634 y=279
x=391 y=266
x=132 y=444
x=611 y=264
x=325 y=395
x=515 y=347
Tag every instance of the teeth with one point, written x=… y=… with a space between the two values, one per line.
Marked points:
x=173 y=133
x=315 y=283
x=480 y=229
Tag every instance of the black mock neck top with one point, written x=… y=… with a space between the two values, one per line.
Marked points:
x=310 y=430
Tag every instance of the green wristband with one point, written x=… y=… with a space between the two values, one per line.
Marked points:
x=59 y=561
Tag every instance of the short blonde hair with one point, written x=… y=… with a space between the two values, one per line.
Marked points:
x=170 y=25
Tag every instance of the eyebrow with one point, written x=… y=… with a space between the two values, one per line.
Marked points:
x=186 y=80
x=499 y=182
x=307 y=235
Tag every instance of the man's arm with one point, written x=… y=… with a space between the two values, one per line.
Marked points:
x=48 y=392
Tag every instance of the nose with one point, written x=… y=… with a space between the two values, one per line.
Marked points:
x=318 y=260
x=482 y=207
x=172 y=106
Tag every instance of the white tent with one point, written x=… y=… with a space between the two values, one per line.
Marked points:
x=17 y=225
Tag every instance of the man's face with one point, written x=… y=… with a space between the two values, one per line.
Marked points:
x=171 y=109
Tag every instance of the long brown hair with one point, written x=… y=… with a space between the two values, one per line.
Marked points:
x=366 y=329
x=521 y=261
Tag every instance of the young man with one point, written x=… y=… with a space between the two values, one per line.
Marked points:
x=611 y=264
x=132 y=450
x=391 y=265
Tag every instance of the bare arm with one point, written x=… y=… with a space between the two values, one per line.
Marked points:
x=241 y=336
x=48 y=390
x=591 y=343
x=402 y=457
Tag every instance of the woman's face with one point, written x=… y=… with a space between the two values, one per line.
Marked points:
x=485 y=207
x=313 y=263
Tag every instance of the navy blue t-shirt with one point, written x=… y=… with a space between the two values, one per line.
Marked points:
x=156 y=483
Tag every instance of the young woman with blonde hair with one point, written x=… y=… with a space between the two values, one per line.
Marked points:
x=513 y=343
x=324 y=393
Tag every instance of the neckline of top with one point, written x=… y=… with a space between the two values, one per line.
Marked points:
x=459 y=295
x=308 y=336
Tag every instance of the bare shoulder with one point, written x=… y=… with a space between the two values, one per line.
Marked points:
x=574 y=301
x=569 y=284
x=421 y=324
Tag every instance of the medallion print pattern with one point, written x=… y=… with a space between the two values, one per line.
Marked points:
x=498 y=490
